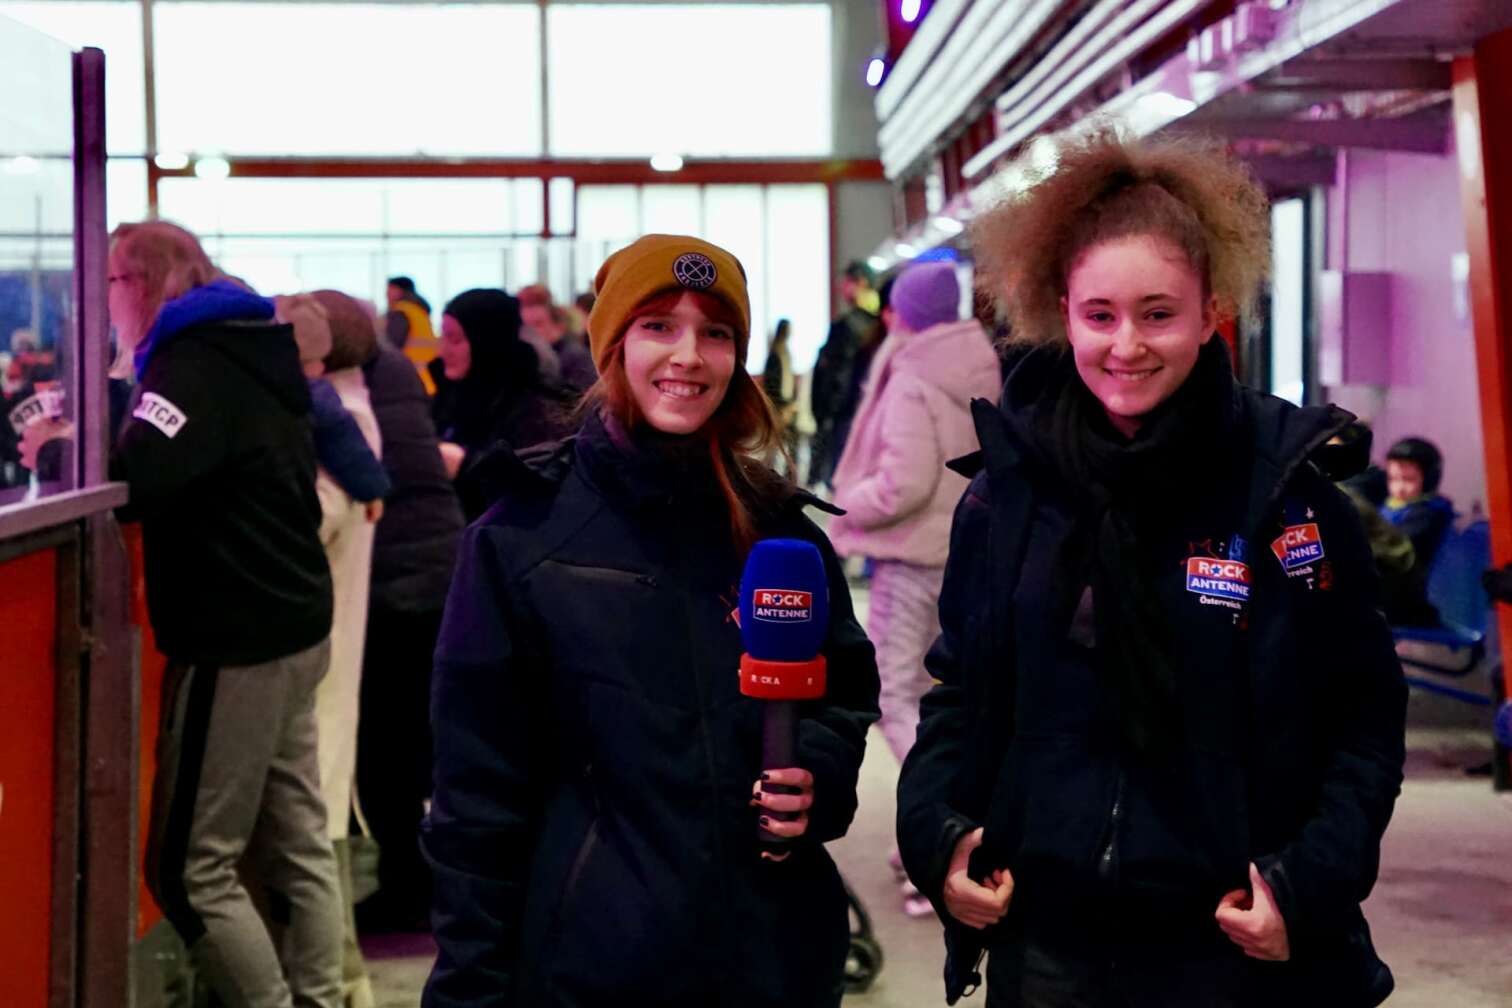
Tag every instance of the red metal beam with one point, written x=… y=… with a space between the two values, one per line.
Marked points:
x=583 y=172
x=1482 y=84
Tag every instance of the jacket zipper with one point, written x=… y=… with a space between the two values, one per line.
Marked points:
x=1107 y=863
x=701 y=686
x=611 y=574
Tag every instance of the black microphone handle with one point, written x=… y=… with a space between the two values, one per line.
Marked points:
x=779 y=751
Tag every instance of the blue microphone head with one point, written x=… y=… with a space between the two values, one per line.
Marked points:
x=784 y=601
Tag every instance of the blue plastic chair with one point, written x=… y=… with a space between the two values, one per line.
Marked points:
x=1454 y=588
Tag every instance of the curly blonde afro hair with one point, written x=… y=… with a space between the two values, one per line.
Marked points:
x=1189 y=192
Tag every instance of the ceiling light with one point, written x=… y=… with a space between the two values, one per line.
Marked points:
x=875 y=71
x=172 y=161
x=949 y=225
x=878 y=264
x=910 y=10
x=905 y=250
x=212 y=168
x=22 y=165
x=667 y=162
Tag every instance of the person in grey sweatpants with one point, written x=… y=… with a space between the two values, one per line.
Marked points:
x=238 y=780
x=219 y=458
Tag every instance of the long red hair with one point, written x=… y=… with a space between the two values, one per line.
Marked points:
x=742 y=430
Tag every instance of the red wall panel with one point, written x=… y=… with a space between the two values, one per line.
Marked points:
x=28 y=614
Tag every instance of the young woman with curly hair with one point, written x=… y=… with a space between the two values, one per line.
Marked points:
x=594 y=825
x=1166 y=736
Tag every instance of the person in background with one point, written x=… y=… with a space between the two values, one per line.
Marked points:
x=861 y=370
x=346 y=532
x=407 y=326
x=781 y=386
x=1404 y=587
x=895 y=489
x=342 y=450
x=220 y=462
x=1167 y=735
x=414 y=550
x=551 y=323
x=1414 y=468
x=830 y=386
x=594 y=827
x=489 y=386
x=582 y=307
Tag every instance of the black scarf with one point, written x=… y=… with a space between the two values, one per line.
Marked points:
x=1127 y=486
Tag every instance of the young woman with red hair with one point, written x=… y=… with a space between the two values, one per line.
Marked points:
x=593 y=828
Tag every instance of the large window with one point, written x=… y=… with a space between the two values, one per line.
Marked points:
x=116 y=27
x=313 y=79
x=296 y=234
x=37 y=311
x=281 y=78
x=696 y=79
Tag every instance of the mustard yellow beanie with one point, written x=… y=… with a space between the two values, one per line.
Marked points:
x=654 y=265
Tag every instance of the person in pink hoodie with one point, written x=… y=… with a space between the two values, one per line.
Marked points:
x=898 y=496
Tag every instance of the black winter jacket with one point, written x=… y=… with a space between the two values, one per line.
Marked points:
x=219 y=456
x=591 y=834
x=1292 y=684
x=415 y=544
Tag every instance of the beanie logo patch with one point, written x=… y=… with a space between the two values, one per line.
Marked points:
x=695 y=271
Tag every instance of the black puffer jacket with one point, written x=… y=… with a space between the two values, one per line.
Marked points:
x=590 y=833
x=415 y=544
x=1290 y=691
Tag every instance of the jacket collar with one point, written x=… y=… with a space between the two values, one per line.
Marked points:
x=645 y=470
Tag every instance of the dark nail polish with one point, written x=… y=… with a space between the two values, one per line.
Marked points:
x=765 y=775
x=766 y=821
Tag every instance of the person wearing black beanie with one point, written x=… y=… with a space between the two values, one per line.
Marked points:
x=489 y=387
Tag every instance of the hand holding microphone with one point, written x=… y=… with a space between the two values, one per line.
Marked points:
x=784 y=618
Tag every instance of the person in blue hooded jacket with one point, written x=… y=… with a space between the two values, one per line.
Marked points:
x=1167 y=732
x=218 y=454
x=1414 y=468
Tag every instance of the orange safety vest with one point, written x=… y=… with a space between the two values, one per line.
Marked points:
x=421 y=346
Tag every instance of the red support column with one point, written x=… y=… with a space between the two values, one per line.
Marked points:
x=1482 y=84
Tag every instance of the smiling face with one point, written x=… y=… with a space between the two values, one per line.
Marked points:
x=678 y=365
x=1404 y=480
x=1137 y=317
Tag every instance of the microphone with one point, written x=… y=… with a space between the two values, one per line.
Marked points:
x=784 y=618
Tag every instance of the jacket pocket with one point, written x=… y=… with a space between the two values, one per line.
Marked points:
x=616 y=628
x=605 y=575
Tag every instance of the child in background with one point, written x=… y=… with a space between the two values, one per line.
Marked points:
x=1414 y=467
x=340 y=447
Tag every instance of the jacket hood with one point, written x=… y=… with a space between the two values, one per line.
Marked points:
x=951 y=356
x=217 y=301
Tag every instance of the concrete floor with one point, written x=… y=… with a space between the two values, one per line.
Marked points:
x=1441 y=914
